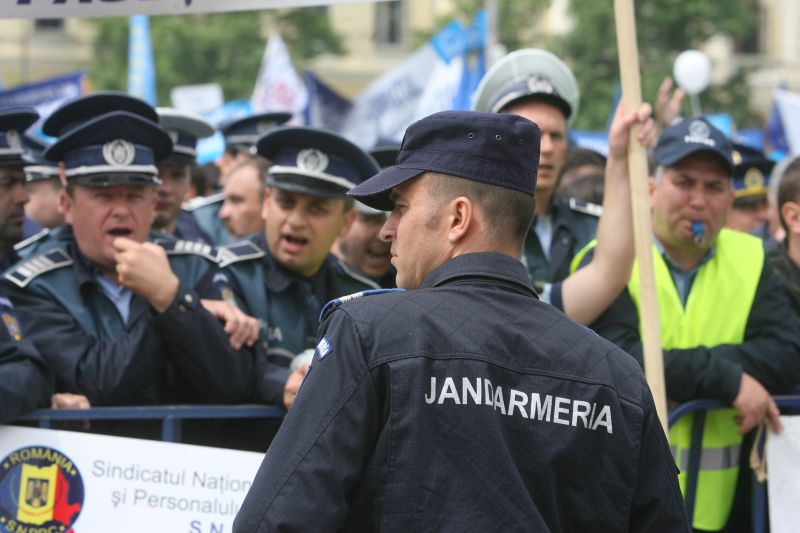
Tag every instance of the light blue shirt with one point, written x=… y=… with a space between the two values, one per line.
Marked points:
x=119 y=295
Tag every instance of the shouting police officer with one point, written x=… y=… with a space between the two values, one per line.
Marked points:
x=117 y=318
x=464 y=404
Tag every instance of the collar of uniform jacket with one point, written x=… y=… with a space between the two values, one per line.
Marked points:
x=481 y=265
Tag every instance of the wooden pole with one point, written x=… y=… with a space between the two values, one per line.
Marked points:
x=642 y=229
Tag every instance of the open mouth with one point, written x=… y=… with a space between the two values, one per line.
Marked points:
x=120 y=232
x=293 y=244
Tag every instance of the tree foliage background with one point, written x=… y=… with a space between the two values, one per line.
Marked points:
x=222 y=47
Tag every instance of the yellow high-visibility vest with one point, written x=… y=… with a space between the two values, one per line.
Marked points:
x=716 y=312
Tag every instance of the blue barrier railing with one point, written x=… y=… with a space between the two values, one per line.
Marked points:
x=698 y=408
x=171 y=416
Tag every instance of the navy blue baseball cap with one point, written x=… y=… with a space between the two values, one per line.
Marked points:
x=37 y=168
x=75 y=112
x=493 y=148
x=117 y=148
x=13 y=123
x=184 y=129
x=245 y=132
x=689 y=137
x=315 y=162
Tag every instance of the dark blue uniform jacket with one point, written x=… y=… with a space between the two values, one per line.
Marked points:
x=466 y=405
x=181 y=355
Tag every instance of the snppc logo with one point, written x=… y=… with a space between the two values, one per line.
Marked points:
x=41 y=491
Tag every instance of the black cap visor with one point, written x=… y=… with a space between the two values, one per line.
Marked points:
x=376 y=191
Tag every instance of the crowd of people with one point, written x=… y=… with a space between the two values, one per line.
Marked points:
x=120 y=290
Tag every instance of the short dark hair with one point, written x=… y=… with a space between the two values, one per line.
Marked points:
x=789 y=188
x=509 y=213
x=260 y=164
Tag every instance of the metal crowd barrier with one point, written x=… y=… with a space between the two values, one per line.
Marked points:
x=759 y=492
x=171 y=416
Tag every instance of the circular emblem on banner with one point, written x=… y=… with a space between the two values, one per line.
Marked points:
x=312 y=159
x=12 y=138
x=41 y=489
x=753 y=179
x=698 y=128
x=119 y=153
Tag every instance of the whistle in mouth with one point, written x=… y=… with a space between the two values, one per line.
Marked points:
x=698 y=231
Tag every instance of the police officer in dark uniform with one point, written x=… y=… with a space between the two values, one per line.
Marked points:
x=25 y=380
x=13 y=123
x=464 y=404
x=286 y=274
x=751 y=178
x=175 y=173
x=119 y=319
x=537 y=85
x=240 y=139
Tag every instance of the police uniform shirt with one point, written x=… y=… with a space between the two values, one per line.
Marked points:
x=466 y=405
x=287 y=304
x=25 y=380
x=182 y=354
x=573 y=225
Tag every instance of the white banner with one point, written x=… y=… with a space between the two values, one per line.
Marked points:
x=783 y=471
x=67 y=481
x=51 y=9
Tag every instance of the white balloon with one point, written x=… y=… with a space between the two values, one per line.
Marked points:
x=692 y=71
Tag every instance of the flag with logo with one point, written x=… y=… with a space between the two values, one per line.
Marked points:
x=326 y=108
x=278 y=87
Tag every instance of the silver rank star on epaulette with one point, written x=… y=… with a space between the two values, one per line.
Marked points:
x=26 y=271
x=238 y=251
x=202 y=201
x=333 y=304
x=180 y=246
x=585 y=207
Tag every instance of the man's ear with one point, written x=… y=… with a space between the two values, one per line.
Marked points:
x=790 y=214
x=265 y=203
x=347 y=220
x=65 y=206
x=460 y=218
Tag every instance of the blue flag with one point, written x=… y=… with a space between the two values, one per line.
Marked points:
x=774 y=132
x=141 y=68
x=326 y=108
x=474 y=61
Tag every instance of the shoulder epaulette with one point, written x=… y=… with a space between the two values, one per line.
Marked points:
x=24 y=272
x=32 y=239
x=358 y=277
x=238 y=251
x=181 y=247
x=585 y=207
x=333 y=304
x=201 y=201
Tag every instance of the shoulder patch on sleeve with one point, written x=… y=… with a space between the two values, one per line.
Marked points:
x=201 y=201
x=585 y=207
x=238 y=251
x=333 y=304
x=324 y=348
x=23 y=273
x=32 y=239
x=182 y=247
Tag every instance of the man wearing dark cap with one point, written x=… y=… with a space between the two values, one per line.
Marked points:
x=726 y=328
x=751 y=177
x=240 y=140
x=25 y=380
x=117 y=318
x=175 y=173
x=286 y=274
x=13 y=196
x=464 y=404
x=362 y=248
x=537 y=85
